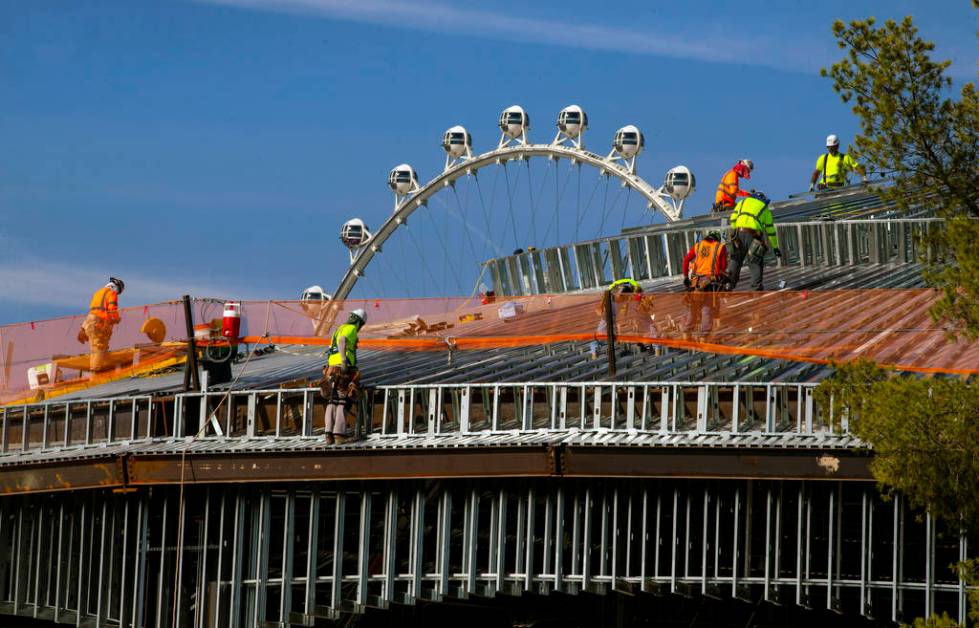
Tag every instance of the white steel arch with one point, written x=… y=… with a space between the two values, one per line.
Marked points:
x=656 y=197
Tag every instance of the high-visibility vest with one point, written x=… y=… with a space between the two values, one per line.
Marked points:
x=727 y=190
x=625 y=282
x=349 y=332
x=105 y=304
x=705 y=259
x=753 y=213
x=835 y=168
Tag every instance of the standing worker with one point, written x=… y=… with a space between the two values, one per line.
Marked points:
x=833 y=167
x=704 y=279
x=340 y=385
x=751 y=224
x=729 y=190
x=103 y=314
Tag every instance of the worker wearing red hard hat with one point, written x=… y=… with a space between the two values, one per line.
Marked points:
x=729 y=190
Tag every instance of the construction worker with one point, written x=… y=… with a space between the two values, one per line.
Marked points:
x=616 y=289
x=752 y=234
x=706 y=277
x=103 y=315
x=728 y=191
x=340 y=385
x=833 y=167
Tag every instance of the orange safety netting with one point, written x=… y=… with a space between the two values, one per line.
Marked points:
x=892 y=327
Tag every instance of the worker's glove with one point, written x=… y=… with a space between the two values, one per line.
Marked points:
x=812 y=187
x=686 y=282
x=778 y=252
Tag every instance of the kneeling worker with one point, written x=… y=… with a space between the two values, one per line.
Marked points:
x=341 y=377
x=103 y=315
x=751 y=225
x=707 y=276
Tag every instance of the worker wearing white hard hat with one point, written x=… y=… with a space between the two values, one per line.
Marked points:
x=340 y=385
x=833 y=167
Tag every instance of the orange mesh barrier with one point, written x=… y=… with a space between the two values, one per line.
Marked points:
x=892 y=327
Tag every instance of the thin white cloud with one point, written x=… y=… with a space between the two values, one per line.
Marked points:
x=442 y=18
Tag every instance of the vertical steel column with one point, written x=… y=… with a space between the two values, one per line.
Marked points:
x=199 y=607
x=445 y=540
x=142 y=549
x=586 y=543
x=262 y=559
x=81 y=565
x=529 y=560
x=313 y=553
x=363 y=547
x=829 y=549
x=471 y=538
x=237 y=550
x=336 y=584
x=500 y=543
x=161 y=574
x=102 y=584
x=417 y=543
x=288 y=553
x=390 y=545
x=734 y=547
x=673 y=540
x=559 y=540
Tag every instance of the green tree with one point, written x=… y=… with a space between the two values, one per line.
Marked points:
x=924 y=432
x=924 y=140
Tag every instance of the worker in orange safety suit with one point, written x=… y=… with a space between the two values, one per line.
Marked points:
x=103 y=315
x=704 y=275
x=729 y=190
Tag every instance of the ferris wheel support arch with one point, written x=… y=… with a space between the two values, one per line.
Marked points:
x=656 y=197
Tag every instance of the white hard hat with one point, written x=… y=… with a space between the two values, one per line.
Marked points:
x=747 y=163
x=361 y=314
x=832 y=140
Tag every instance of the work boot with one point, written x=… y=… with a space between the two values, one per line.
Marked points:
x=328 y=438
x=340 y=439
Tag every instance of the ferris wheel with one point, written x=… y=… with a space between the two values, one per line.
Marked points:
x=518 y=196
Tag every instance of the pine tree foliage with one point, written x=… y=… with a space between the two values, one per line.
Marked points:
x=926 y=141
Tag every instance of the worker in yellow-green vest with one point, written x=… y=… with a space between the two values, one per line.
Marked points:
x=833 y=167
x=341 y=379
x=752 y=234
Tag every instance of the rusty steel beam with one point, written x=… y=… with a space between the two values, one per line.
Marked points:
x=343 y=465
x=108 y=472
x=339 y=464
x=715 y=463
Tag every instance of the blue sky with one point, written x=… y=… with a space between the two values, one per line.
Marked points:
x=215 y=147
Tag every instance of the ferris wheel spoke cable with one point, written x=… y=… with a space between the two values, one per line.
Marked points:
x=601 y=226
x=482 y=204
x=559 y=191
x=611 y=209
x=581 y=215
x=511 y=218
x=534 y=206
x=446 y=266
x=463 y=216
x=421 y=257
x=625 y=208
x=578 y=205
x=400 y=274
x=533 y=211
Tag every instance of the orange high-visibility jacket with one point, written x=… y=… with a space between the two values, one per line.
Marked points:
x=728 y=190
x=105 y=304
x=708 y=258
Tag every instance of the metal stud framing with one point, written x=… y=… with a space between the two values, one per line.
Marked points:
x=813 y=541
